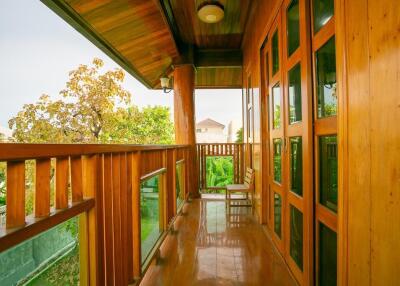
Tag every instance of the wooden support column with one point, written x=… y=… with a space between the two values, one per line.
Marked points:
x=184 y=112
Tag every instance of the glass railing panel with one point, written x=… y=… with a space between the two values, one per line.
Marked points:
x=150 y=211
x=50 y=258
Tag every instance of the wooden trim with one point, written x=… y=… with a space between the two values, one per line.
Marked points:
x=62 y=182
x=14 y=236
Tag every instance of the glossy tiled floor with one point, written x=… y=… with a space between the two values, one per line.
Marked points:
x=210 y=247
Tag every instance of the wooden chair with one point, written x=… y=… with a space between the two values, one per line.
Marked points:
x=246 y=188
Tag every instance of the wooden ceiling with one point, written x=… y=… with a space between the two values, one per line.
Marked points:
x=146 y=37
x=226 y=34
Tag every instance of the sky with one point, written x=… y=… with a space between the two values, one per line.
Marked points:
x=38 y=49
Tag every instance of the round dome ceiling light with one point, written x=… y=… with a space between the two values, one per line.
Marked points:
x=210 y=12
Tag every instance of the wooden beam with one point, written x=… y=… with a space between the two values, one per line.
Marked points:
x=218 y=58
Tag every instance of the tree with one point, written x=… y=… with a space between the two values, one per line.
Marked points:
x=94 y=108
x=239 y=136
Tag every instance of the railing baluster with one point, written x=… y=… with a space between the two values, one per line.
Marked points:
x=15 y=194
x=76 y=179
x=62 y=179
x=42 y=188
x=136 y=240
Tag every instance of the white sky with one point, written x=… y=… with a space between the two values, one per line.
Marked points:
x=38 y=49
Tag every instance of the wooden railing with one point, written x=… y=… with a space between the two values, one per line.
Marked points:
x=104 y=185
x=234 y=150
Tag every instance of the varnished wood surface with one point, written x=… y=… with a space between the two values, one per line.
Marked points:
x=33 y=226
x=368 y=49
x=136 y=29
x=219 y=77
x=213 y=247
x=184 y=83
x=225 y=34
x=17 y=151
x=146 y=39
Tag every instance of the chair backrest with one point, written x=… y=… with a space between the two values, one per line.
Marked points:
x=249 y=178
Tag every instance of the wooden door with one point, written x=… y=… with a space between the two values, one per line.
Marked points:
x=325 y=140
x=298 y=139
x=276 y=134
x=288 y=75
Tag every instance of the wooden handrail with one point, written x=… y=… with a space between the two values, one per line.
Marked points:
x=13 y=236
x=22 y=151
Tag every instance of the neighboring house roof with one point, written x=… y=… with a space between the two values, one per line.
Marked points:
x=209 y=123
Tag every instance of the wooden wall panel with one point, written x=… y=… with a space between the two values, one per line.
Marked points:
x=368 y=44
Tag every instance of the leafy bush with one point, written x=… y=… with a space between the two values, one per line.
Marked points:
x=219 y=171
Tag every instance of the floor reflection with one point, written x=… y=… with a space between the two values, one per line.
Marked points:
x=213 y=246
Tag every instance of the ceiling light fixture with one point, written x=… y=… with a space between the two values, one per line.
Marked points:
x=210 y=12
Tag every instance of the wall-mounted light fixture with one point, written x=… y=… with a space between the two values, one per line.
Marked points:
x=210 y=11
x=165 y=84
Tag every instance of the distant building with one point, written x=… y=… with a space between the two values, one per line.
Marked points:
x=5 y=134
x=233 y=127
x=210 y=131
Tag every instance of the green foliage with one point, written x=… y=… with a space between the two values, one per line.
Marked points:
x=2 y=183
x=219 y=171
x=94 y=108
x=239 y=136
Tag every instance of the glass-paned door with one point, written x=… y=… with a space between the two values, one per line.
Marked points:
x=325 y=141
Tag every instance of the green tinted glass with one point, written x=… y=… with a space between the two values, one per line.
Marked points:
x=296 y=166
x=294 y=93
x=276 y=96
x=327 y=256
x=179 y=181
x=328 y=171
x=293 y=27
x=278 y=214
x=149 y=215
x=278 y=160
x=275 y=53
x=326 y=79
x=296 y=236
x=323 y=11
x=50 y=258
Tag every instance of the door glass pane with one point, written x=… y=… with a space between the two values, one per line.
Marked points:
x=275 y=53
x=293 y=34
x=296 y=166
x=295 y=94
x=150 y=214
x=327 y=256
x=323 y=11
x=276 y=113
x=328 y=167
x=277 y=160
x=277 y=214
x=296 y=236
x=326 y=79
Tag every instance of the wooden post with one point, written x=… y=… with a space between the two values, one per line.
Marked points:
x=184 y=82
